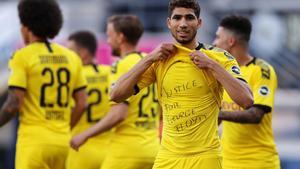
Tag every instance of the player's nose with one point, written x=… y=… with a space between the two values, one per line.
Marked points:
x=183 y=23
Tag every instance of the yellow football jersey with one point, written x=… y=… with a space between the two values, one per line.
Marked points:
x=97 y=77
x=92 y=153
x=49 y=77
x=252 y=144
x=190 y=99
x=139 y=131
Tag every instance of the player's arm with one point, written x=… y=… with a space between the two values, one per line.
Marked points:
x=126 y=84
x=253 y=115
x=79 y=97
x=237 y=89
x=160 y=126
x=12 y=105
x=79 y=93
x=116 y=115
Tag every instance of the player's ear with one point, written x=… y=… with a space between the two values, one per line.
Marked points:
x=121 y=37
x=168 y=21
x=232 y=41
x=25 y=33
x=84 y=51
x=199 y=23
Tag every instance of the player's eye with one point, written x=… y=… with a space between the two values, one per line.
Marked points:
x=190 y=17
x=176 y=17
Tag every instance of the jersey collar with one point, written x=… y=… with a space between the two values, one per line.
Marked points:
x=200 y=45
x=252 y=61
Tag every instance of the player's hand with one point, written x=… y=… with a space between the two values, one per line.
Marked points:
x=78 y=141
x=162 y=52
x=201 y=60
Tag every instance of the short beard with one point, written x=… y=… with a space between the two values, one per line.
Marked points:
x=185 y=41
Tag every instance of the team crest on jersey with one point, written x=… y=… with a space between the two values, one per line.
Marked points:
x=264 y=90
x=236 y=70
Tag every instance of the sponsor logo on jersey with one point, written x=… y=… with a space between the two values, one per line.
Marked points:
x=264 y=90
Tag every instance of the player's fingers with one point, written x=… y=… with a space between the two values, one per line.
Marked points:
x=170 y=48
x=74 y=145
x=164 y=54
x=193 y=56
x=174 y=49
x=196 y=59
x=197 y=54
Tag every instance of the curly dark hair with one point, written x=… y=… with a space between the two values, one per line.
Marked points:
x=129 y=25
x=42 y=17
x=239 y=25
x=193 y=4
x=85 y=39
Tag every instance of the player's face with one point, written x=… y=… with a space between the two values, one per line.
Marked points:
x=223 y=39
x=113 y=39
x=183 y=25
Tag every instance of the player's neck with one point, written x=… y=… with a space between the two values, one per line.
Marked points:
x=88 y=61
x=34 y=39
x=191 y=45
x=242 y=56
x=126 y=49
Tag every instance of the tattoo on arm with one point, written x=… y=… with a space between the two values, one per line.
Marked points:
x=10 y=107
x=252 y=115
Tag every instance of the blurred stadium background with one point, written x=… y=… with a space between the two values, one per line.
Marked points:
x=275 y=37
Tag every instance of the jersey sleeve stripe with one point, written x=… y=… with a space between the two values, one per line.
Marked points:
x=265 y=108
x=17 y=87
x=136 y=89
x=79 y=88
x=242 y=80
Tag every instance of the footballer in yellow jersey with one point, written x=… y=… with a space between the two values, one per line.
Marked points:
x=49 y=79
x=135 y=138
x=134 y=143
x=190 y=84
x=247 y=138
x=44 y=78
x=92 y=154
x=252 y=145
x=190 y=100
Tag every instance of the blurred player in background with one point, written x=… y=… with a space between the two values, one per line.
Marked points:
x=44 y=78
x=90 y=155
x=135 y=142
x=190 y=80
x=247 y=138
